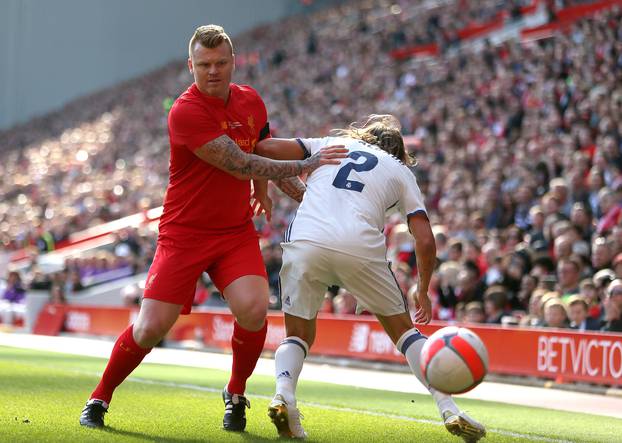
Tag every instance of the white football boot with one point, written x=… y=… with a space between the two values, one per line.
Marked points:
x=464 y=426
x=286 y=418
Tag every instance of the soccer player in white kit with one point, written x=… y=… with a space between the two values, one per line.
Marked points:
x=336 y=238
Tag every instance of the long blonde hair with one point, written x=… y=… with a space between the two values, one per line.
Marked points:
x=382 y=130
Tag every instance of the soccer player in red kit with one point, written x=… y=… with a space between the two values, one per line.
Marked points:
x=207 y=222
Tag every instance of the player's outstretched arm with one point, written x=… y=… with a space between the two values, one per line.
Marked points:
x=280 y=149
x=223 y=153
x=284 y=149
x=425 y=250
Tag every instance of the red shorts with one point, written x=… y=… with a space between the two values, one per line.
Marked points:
x=175 y=269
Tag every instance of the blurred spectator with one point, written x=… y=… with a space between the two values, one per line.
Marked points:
x=555 y=315
x=617 y=265
x=403 y=276
x=201 y=292
x=272 y=258
x=578 y=312
x=469 y=286
x=344 y=303
x=589 y=293
x=459 y=312
x=74 y=283
x=581 y=218
x=535 y=313
x=57 y=294
x=536 y=229
x=131 y=296
x=601 y=254
x=40 y=281
x=613 y=307
x=568 y=277
x=611 y=209
x=327 y=303
x=495 y=301
x=13 y=302
x=602 y=278
x=447 y=281
x=401 y=249
x=474 y=313
x=529 y=283
x=455 y=250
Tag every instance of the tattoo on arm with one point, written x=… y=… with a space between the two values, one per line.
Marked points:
x=225 y=154
x=292 y=186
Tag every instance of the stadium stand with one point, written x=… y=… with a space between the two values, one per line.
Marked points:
x=519 y=148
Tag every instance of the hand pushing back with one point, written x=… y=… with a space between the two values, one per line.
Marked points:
x=330 y=155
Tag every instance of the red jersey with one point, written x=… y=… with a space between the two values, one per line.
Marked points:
x=200 y=198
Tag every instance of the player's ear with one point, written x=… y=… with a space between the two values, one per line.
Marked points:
x=233 y=56
x=190 y=66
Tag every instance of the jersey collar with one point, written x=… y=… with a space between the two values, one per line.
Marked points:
x=214 y=101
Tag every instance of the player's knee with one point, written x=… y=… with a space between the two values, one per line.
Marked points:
x=253 y=317
x=147 y=335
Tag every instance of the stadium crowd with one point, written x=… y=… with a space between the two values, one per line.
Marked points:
x=519 y=150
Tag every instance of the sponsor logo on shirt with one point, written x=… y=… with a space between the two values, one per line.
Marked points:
x=234 y=125
x=246 y=142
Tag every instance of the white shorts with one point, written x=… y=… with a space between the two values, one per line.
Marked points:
x=308 y=270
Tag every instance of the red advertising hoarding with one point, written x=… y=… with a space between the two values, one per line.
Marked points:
x=562 y=355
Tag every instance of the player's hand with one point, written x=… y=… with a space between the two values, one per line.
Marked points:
x=329 y=155
x=261 y=203
x=424 y=308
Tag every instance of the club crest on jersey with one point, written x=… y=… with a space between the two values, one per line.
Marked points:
x=251 y=122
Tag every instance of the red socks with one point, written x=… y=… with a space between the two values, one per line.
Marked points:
x=247 y=347
x=126 y=356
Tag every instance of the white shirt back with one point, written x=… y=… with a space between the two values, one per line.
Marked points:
x=344 y=206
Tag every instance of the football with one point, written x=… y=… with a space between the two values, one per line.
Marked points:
x=454 y=360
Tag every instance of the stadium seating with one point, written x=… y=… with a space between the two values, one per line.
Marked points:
x=518 y=144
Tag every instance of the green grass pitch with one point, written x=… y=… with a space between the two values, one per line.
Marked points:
x=42 y=394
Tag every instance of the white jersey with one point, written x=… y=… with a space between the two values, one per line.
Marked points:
x=345 y=205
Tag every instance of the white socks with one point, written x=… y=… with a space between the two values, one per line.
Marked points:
x=410 y=344
x=288 y=361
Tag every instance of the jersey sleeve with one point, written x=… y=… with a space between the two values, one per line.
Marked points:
x=264 y=132
x=411 y=201
x=191 y=126
x=312 y=145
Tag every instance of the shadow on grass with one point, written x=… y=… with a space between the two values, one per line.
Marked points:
x=148 y=437
x=157 y=439
x=254 y=437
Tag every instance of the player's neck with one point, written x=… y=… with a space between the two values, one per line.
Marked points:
x=224 y=96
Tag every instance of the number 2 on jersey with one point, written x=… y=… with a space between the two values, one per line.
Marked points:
x=341 y=179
